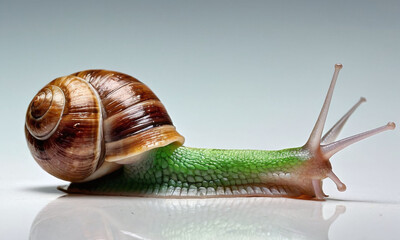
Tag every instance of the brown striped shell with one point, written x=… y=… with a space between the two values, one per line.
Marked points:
x=84 y=125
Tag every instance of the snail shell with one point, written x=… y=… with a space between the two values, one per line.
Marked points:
x=85 y=125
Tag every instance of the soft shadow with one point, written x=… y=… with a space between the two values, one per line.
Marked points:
x=43 y=189
x=89 y=217
x=372 y=201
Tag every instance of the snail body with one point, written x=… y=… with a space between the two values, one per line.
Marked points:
x=109 y=134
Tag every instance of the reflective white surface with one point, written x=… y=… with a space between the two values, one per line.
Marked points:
x=45 y=214
x=124 y=218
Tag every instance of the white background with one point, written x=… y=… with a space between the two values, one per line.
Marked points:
x=232 y=74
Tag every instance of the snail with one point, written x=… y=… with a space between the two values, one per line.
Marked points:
x=108 y=134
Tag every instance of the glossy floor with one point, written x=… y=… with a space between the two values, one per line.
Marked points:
x=44 y=213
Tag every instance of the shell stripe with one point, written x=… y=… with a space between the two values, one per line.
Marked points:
x=135 y=115
x=126 y=96
x=142 y=142
x=100 y=136
x=104 y=81
x=135 y=119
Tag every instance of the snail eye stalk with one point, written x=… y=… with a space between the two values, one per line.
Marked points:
x=322 y=148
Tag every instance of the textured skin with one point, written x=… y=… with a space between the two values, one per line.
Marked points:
x=174 y=171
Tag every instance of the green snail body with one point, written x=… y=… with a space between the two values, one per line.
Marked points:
x=149 y=159
x=178 y=171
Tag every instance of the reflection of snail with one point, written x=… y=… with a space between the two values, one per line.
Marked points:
x=83 y=126
x=224 y=218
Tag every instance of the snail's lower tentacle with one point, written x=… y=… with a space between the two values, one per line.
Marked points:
x=319 y=193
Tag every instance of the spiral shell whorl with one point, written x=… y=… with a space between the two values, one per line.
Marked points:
x=66 y=138
x=44 y=113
